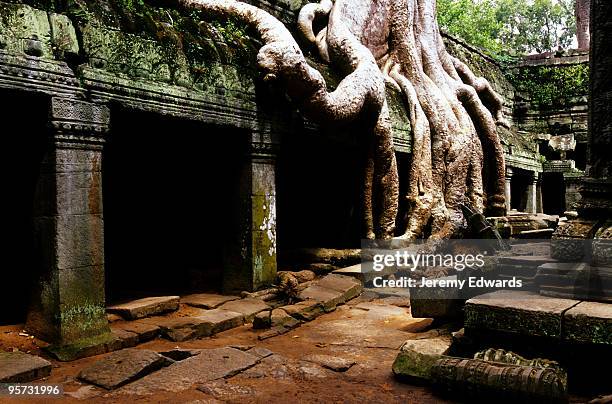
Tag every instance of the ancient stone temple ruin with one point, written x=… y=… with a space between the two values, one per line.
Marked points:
x=146 y=155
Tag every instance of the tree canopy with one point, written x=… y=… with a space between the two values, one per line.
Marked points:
x=510 y=27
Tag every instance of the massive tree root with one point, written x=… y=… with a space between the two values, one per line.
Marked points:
x=394 y=42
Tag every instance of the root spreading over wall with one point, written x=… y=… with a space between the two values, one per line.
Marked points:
x=454 y=114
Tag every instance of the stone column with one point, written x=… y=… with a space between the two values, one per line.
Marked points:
x=250 y=261
x=508 y=188
x=539 y=207
x=531 y=206
x=68 y=307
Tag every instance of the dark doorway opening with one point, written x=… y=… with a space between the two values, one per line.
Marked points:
x=553 y=193
x=518 y=189
x=319 y=182
x=170 y=190
x=24 y=118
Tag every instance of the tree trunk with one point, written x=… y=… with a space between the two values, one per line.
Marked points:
x=582 y=10
x=454 y=114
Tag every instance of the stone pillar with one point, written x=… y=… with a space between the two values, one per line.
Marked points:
x=539 y=207
x=531 y=206
x=250 y=262
x=68 y=307
x=508 y=188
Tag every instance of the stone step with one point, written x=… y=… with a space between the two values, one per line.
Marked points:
x=207 y=300
x=122 y=367
x=149 y=306
x=533 y=315
x=517 y=313
x=19 y=367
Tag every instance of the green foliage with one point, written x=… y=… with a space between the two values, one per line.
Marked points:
x=510 y=27
x=551 y=86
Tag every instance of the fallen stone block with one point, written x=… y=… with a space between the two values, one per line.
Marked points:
x=221 y=319
x=417 y=325
x=306 y=310
x=589 y=323
x=208 y=365
x=331 y=362
x=123 y=339
x=181 y=328
x=279 y=317
x=122 y=367
x=364 y=272
x=517 y=313
x=247 y=307
x=207 y=300
x=149 y=306
x=328 y=298
x=262 y=320
x=350 y=287
x=429 y=346
x=19 y=367
x=144 y=330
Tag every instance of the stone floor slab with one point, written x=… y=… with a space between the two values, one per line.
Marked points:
x=144 y=331
x=207 y=300
x=221 y=320
x=149 y=306
x=209 y=365
x=181 y=328
x=19 y=367
x=247 y=307
x=122 y=367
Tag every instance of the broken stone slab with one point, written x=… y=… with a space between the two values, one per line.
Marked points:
x=589 y=323
x=429 y=346
x=280 y=317
x=348 y=286
x=307 y=310
x=20 y=367
x=209 y=365
x=247 y=307
x=207 y=300
x=517 y=313
x=122 y=367
x=222 y=319
x=334 y=363
x=144 y=330
x=149 y=306
x=124 y=339
x=179 y=354
x=260 y=352
x=181 y=328
x=328 y=298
